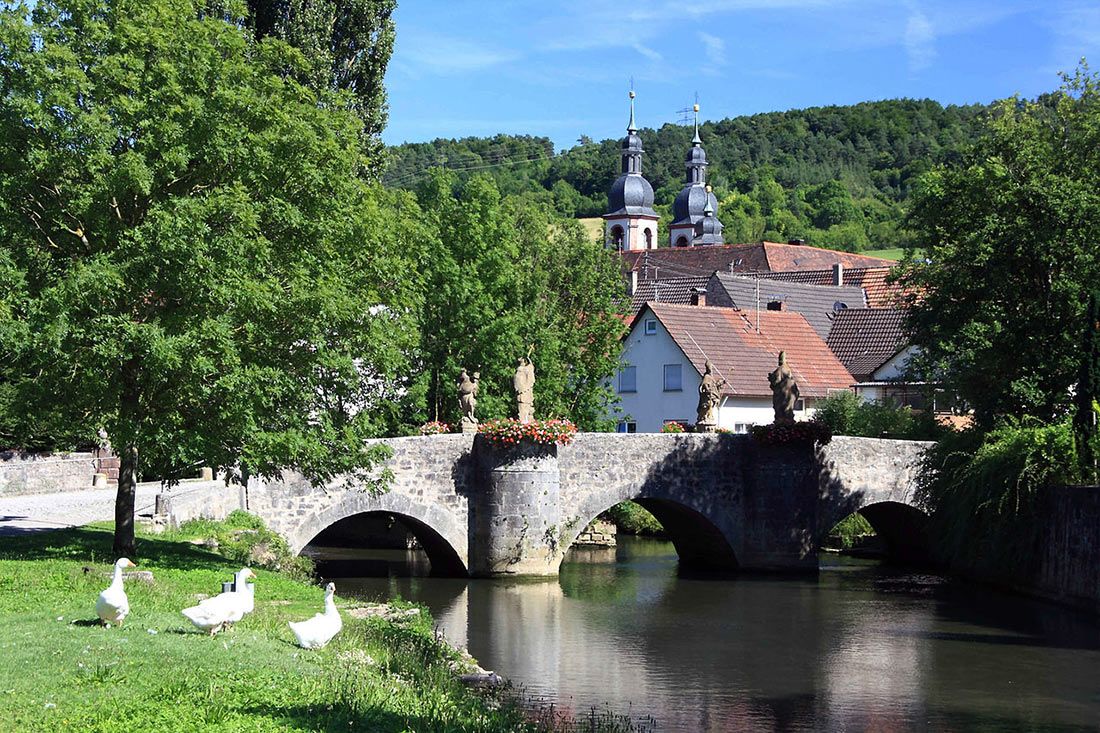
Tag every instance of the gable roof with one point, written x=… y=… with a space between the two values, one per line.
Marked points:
x=674 y=262
x=873 y=280
x=791 y=257
x=866 y=338
x=701 y=261
x=672 y=290
x=743 y=357
x=817 y=303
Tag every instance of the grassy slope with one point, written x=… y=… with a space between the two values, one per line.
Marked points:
x=594 y=227
x=61 y=671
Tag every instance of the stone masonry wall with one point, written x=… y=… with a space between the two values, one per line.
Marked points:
x=598 y=534
x=45 y=473
x=200 y=500
x=1069 y=566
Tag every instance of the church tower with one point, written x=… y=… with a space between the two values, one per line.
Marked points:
x=689 y=210
x=631 y=222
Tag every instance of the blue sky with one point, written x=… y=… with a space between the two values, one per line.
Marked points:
x=561 y=68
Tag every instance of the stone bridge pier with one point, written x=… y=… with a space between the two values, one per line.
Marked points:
x=727 y=502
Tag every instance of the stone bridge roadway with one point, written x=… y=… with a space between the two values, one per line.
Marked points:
x=726 y=501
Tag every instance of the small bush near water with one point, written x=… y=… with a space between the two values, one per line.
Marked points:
x=633 y=518
x=982 y=490
x=850 y=532
x=244 y=539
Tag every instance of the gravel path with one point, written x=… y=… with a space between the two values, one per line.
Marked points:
x=36 y=512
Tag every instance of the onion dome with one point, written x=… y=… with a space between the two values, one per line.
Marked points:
x=692 y=199
x=709 y=230
x=631 y=194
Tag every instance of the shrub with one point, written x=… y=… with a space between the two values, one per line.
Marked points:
x=435 y=427
x=982 y=490
x=633 y=518
x=673 y=427
x=792 y=433
x=844 y=413
x=510 y=431
x=243 y=538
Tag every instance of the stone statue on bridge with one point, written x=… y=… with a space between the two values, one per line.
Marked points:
x=710 y=396
x=467 y=400
x=524 y=384
x=784 y=390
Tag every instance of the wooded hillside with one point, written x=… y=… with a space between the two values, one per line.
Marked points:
x=835 y=176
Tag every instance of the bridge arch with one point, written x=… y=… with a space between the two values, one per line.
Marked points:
x=902 y=529
x=444 y=540
x=700 y=540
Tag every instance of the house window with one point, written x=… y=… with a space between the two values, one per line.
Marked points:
x=681 y=242
x=673 y=381
x=649 y=239
x=628 y=379
x=650 y=326
x=800 y=406
x=627 y=426
x=742 y=427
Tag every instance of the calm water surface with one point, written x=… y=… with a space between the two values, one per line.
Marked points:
x=859 y=647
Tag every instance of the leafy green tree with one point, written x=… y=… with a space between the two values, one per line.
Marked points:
x=193 y=264
x=503 y=276
x=1011 y=233
x=348 y=44
x=1087 y=390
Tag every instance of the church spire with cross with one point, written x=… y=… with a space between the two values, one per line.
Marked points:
x=631 y=222
x=690 y=208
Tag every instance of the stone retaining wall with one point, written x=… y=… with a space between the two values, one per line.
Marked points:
x=598 y=534
x=200 y=500
x=1069 y=564
x=45 y=473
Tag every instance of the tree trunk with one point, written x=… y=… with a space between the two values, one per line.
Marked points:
x=129 y=407
x=124 y=503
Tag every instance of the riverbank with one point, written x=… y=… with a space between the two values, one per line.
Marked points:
x=62 y=670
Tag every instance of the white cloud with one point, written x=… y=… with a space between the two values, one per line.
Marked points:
x=1076 y=29
x=438 y=54
x=920 y=40
x=714 y=48
x=648 y=52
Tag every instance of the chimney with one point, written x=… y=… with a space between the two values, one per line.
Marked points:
x=698 y=296
x=838 y=274
x=633 y=282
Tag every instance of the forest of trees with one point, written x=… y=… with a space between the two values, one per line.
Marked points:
x=834 y=176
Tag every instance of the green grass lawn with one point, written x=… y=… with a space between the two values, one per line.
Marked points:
x=60 y=670
x=896 y=254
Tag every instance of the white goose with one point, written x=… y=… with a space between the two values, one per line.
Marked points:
x=319 y=630
x=113 y=606
x=214 y=614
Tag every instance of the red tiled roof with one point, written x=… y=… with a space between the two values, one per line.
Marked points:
x=743 y=357
x=788 y=257
x=873 y=280
x=674 y=262
x=866 y=338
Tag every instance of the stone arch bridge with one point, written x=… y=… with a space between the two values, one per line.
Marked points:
x=726 y=501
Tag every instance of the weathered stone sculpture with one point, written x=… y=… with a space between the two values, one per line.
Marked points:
x=710 y=396
x=467 y=400
x=784 y=390
x=524 y=384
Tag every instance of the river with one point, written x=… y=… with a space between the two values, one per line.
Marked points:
x=859 y=647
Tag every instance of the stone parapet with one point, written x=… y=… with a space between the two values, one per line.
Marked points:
x=46 y=473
